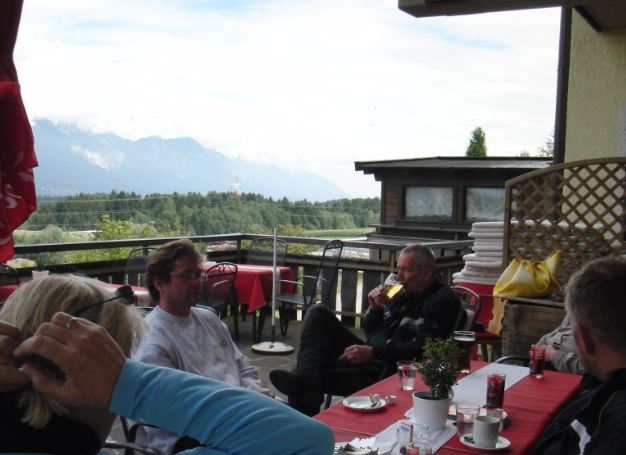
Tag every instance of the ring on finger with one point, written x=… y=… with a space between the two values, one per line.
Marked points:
x=70 y=322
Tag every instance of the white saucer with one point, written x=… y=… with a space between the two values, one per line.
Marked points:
x=502 y=444
x=363 y=404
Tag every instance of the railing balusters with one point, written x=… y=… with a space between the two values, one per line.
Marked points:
x=357 y=276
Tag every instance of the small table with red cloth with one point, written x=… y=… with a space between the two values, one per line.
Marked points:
x=6 y=290
x=531 y=404
x=253 y=284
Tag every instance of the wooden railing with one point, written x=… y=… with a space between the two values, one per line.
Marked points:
x=363 y=266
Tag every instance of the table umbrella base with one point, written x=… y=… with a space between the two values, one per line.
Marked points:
x=272 y=348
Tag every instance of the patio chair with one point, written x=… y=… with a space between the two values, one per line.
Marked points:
x=470 y=306
x=8 y=275
x=522 y=360
x=219 y=291
x=323 y=282
x=129 y=448
x=136 y=265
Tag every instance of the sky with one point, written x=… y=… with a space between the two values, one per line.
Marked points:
x=300 y=84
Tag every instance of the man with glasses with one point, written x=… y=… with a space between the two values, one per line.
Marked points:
x=185 y=337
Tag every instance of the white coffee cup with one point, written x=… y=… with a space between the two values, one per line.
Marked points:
x=486 y=431
x=39 y=274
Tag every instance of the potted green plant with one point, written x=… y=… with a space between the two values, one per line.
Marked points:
x=439 y=368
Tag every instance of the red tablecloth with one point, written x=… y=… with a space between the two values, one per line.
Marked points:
x=254 y=283
x=6 y=290
x=531 y=404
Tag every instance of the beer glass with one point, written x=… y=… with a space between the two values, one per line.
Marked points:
x=465 y=341
x=392 y=286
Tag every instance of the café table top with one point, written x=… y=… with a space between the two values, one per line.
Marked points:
x=531 y=404
x=254 y=283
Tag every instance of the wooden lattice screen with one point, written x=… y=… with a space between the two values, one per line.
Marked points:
x=577 y=207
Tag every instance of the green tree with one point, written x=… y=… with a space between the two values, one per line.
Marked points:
x=477 y=147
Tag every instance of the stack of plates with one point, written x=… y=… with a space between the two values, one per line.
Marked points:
x=484 y=265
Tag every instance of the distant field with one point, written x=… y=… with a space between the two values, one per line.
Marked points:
x=338 y=233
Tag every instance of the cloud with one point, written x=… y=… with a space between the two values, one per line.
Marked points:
x=311 y=84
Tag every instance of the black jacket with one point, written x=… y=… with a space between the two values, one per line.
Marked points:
x=598 y=410
x=61 y=435
x=400 y=330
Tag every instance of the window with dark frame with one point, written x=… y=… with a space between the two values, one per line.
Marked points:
x=484 y=204
x=429 y=203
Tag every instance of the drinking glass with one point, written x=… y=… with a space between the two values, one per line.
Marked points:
x=392 y=285
x=407 y=370
x=495 y=389
x=465 y=341
x=422 y=440
x=537 y=361
x=465 y=415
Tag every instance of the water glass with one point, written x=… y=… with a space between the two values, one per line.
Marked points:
x=407 y=370
x=465 y=415
x=465 y=341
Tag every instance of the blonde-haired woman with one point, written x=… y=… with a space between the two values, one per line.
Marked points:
x=33 y=422
x=95 y=375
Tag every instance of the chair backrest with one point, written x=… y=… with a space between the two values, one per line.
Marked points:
x=219 y=286
x=262 y=252
x=136 y=265
x=470 y=305
x=8 y=275
x=326 y=277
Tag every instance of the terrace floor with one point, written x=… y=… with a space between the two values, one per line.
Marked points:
x=265 y=363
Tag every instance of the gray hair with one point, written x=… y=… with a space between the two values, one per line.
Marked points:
x=424 y=257
x=596 y=297
x=37 y=301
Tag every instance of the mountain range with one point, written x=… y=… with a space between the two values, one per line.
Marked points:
x=73 y=160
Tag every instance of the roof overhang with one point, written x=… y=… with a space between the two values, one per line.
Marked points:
x=601 y=14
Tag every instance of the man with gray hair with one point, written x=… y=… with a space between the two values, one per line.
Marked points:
x=594 y=420
x=395 y=329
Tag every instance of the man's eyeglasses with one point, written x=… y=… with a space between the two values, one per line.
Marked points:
x=191 y=276
x=124 y=293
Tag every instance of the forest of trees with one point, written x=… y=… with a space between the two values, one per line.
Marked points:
x=198 y=214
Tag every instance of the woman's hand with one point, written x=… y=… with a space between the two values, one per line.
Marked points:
x=11 y=378
x=89 y=358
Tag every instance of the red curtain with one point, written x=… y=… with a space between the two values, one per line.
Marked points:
x=17 y=152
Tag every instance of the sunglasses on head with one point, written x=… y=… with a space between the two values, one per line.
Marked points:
x=124 y=293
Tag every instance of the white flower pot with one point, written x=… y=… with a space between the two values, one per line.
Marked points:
x=430 y=412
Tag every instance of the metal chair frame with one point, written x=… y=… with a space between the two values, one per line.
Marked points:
x=471 y=304
x=8 y=275
x=221 y=292
x=136 y=265
x=324 y=280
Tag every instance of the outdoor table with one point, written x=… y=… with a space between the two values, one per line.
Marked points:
x=530 y=404
x=253 y=284
x=6 y=290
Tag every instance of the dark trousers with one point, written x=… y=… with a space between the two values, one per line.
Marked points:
x=322 y=341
